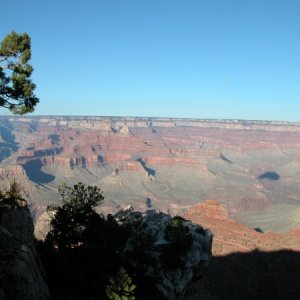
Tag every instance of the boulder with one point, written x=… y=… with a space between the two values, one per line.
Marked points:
x=176 y=251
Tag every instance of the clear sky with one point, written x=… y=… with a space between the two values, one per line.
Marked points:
x=175 y=58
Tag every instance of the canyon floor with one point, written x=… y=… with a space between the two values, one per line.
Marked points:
x=252 y=168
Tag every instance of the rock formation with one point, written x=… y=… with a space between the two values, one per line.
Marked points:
x=21 y=273
x=42 y=225
x=231 y=236
x=9 y=172
x=175 y=250
x=246 y=263
x=173 y=162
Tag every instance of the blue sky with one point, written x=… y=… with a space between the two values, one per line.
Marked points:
x=194 y=58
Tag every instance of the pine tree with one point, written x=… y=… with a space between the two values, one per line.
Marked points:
x=70 y=226
x=120 y=287
x=16 y=87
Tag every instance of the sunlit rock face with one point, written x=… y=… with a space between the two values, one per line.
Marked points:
x=21 y=273
x=246 y=263
x=231 y=236
x=251 y=167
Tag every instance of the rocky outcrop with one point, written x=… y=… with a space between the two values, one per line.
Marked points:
x=42 y=225
x=231 y=236
x=21 y=273
x=8 y=173
x=175 y=250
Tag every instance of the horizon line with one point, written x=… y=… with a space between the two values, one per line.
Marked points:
x=151 y=117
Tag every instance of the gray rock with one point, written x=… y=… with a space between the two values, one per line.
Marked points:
x=149 y=233
x=21 y=273
x=42 y=225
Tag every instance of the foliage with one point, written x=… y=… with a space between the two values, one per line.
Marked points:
x=16 y=87
x=120 y=286
x=137 y=256
x=12 y=197
x=87 y=256
x=180 y=241
x=138 y=261
x=80 y=252
x=81 y=197
x=73 y=219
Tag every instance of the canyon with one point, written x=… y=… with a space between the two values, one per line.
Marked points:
x=246 y=263
x=252 y=168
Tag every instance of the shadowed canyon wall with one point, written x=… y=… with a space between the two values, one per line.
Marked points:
x=174 y=163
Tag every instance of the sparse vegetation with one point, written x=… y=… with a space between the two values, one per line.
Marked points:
x=12 y=197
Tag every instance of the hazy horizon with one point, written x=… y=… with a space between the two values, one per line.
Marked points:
x=144 y=117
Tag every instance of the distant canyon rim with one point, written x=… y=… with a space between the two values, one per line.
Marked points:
x=250 y=168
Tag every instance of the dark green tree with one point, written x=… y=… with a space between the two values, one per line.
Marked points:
x=13 y=196
x=72 y=221
x=80 y=253
x=16 y=87
x=180 y=241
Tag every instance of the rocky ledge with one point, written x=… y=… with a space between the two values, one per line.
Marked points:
x=175 y=251
x=231 y=236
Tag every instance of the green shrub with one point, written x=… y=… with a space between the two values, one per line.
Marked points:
x=120 y=286
x=180 y=241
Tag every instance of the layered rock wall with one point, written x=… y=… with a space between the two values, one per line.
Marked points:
x=72 y=141
x=231 y=236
